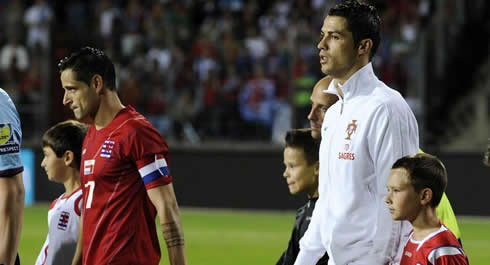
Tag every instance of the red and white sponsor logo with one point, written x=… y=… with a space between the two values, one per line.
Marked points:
x=88 y=167
x=346 y=156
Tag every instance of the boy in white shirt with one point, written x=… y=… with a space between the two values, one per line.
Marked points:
x=62 y=146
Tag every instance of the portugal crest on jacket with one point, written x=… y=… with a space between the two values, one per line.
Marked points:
x=351 y=129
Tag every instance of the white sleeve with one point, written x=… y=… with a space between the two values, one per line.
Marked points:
x=311 y=247
x=393 y=134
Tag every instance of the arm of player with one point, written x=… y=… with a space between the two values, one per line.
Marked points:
x=77 y=258
x=393 y=133
x=163 y=198
x=11 y=216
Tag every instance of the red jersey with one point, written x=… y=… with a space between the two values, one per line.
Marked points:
x=119 y=163
x=438 y=248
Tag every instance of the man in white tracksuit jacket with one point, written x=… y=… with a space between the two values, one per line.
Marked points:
x=363 y=134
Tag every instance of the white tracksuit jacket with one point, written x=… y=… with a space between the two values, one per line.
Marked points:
x=362 y=136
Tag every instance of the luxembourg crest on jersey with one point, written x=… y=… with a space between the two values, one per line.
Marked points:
x=107 y=149
x=63 y=221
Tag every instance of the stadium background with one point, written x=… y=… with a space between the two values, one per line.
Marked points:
x=198 y=69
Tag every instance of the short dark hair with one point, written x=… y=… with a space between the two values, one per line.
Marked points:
x=301 y=138
x=362 y=20
x=425 y=171
x=88 y=62
x=66 y=136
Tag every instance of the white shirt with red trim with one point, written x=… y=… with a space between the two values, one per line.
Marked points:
x=63 y=223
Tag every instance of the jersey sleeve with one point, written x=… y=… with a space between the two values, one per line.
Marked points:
x=150 y=153
x=447 y=255
x=10 y=138
x=78 y=205
x=154 y=171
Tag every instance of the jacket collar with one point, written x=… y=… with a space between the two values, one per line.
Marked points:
x=358 y=82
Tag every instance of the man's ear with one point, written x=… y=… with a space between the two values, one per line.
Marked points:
x=425 y=196
x=365 y=46
x=98 y=83
x=69 y=158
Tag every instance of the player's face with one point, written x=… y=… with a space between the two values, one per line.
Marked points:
x=53 y=165
x=299 y=176
x=337 y=52
x=80 y=97
x=402 y=199
x=320 y=103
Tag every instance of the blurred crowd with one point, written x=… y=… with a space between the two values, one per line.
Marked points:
x=199 y=70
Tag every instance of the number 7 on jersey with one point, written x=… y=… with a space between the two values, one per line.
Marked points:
x=91 y=186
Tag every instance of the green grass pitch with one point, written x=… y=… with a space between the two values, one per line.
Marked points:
x=230 y=237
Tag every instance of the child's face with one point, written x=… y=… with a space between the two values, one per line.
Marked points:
x=402 y=199
x=299 y=176
x=53 y=165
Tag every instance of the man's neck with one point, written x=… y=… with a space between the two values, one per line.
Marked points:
x=342 y=78
x=358 y=64
x=109 y=106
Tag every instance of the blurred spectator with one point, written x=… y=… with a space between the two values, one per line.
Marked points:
x=77 y=13
x=14 y=16
x=205 y=62
x=232 y=5
x=107 y=14
x=160 y=54
x=256 y=44
x=209 y=120
x=14 y=53
x=157 y=24
x=132 y=23
x=38 y=18
x=257 y=102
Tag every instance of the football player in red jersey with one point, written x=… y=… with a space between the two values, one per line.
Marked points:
x=124 y=170
x=415 y=188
